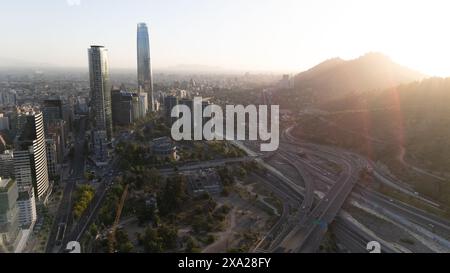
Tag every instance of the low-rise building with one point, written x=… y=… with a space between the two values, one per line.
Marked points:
x=204 y=181
x=163 y=148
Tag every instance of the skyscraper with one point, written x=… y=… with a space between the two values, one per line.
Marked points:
x=30 y=156
x=144 y=64
x=100 y=90
x=30 y=165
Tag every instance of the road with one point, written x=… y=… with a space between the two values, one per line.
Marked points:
x=205 y=164
x=63 y=219
x=111 y=171
x=307 y=236
x=89 y=215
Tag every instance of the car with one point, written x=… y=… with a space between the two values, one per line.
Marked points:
x=391 y=200
x=304 y=207
x=326 y=200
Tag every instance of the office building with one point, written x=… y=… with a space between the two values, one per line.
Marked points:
x=122 y=107
x=144 y=67
x=169 y=103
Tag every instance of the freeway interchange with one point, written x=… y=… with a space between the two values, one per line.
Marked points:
x=313 y=198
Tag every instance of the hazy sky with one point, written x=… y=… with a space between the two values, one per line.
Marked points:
x=279 y=35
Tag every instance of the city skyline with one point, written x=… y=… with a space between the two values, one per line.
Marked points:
x=235 y=37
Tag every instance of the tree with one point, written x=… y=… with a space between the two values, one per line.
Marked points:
x=144 y=213
x=169 y=236
x=151 y=241
x=123 y=243
x=93 y=230
x=83 y=196
x=173 y=196
x=156 y=240
x=191 y=246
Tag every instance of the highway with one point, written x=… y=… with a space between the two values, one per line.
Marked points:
x=305 y=228
x=301 y=233
x=307 y=236
x=205 y=164
x=310 y=235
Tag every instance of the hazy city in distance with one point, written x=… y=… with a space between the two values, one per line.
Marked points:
x=92 y=94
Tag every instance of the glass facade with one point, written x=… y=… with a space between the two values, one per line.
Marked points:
x=100 y=89
x=144 y=64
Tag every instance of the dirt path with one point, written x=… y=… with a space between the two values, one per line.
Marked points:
x=401 y=158
x=221 y=242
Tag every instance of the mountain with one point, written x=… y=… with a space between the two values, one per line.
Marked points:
x=406 y=127
x=336 y=77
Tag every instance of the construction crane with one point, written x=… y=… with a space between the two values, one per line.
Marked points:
x=112 y=238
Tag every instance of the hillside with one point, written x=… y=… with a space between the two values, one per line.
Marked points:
x=335 y=78
x=404 y=126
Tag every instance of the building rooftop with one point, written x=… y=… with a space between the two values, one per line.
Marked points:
x=5 y=184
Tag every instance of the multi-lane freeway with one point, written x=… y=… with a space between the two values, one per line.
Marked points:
x=303 y=230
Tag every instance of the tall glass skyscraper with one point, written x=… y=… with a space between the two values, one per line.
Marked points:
x=100 y=90
x=144 y=64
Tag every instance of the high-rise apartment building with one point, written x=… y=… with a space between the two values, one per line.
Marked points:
x=100 y=105
x=100 y=94
x=30 y=166
x=30 y=155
